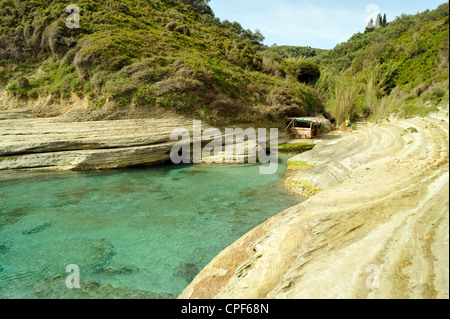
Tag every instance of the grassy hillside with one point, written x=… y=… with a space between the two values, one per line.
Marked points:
x=160 y=54
x=402 y=68
x=175 y=55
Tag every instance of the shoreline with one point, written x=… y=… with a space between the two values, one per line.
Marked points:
x=53 y=144
x=375 y=197
x=383 y=203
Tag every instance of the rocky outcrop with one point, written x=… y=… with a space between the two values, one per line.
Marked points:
x=379 y=227
x=56 y=144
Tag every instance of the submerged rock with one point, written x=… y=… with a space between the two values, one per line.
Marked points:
x=55 y=288
x=103 y=253
x=37 y=229
x=187 y=271
x=3 y=249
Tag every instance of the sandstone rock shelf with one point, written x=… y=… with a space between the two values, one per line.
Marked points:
x=382 y=213
x=51 y=143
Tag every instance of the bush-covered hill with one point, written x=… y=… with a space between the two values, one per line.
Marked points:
x=402 y=68
x=292 y=53
x=169 y=55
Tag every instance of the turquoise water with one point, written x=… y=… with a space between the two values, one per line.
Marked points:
x=135 y=233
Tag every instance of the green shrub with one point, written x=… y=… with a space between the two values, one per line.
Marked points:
x=145 y=98
x=409 y=130
x=100 y=102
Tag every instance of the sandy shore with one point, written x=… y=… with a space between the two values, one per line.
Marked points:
x=376 y=227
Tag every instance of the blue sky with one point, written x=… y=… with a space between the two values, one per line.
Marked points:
x=320 y=24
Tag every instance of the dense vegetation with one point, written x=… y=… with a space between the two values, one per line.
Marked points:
x=290 y=53
x=175 y=55
x=160 y=54
x=400 y=68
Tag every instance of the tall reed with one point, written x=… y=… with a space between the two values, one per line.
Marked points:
x=344 y=101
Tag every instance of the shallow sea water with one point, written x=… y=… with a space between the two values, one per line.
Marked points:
x=134 y=233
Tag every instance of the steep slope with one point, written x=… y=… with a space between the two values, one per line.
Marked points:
x=145 y=55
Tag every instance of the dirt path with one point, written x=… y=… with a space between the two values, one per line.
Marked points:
x=378 y=229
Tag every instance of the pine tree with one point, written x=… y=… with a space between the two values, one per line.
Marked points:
x=384 y=23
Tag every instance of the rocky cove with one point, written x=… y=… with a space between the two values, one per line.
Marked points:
x=91 y=94
x=63 y=198
x=359 y=212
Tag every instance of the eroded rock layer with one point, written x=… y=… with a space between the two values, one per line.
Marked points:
x=377 y=228
x=55 y=144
